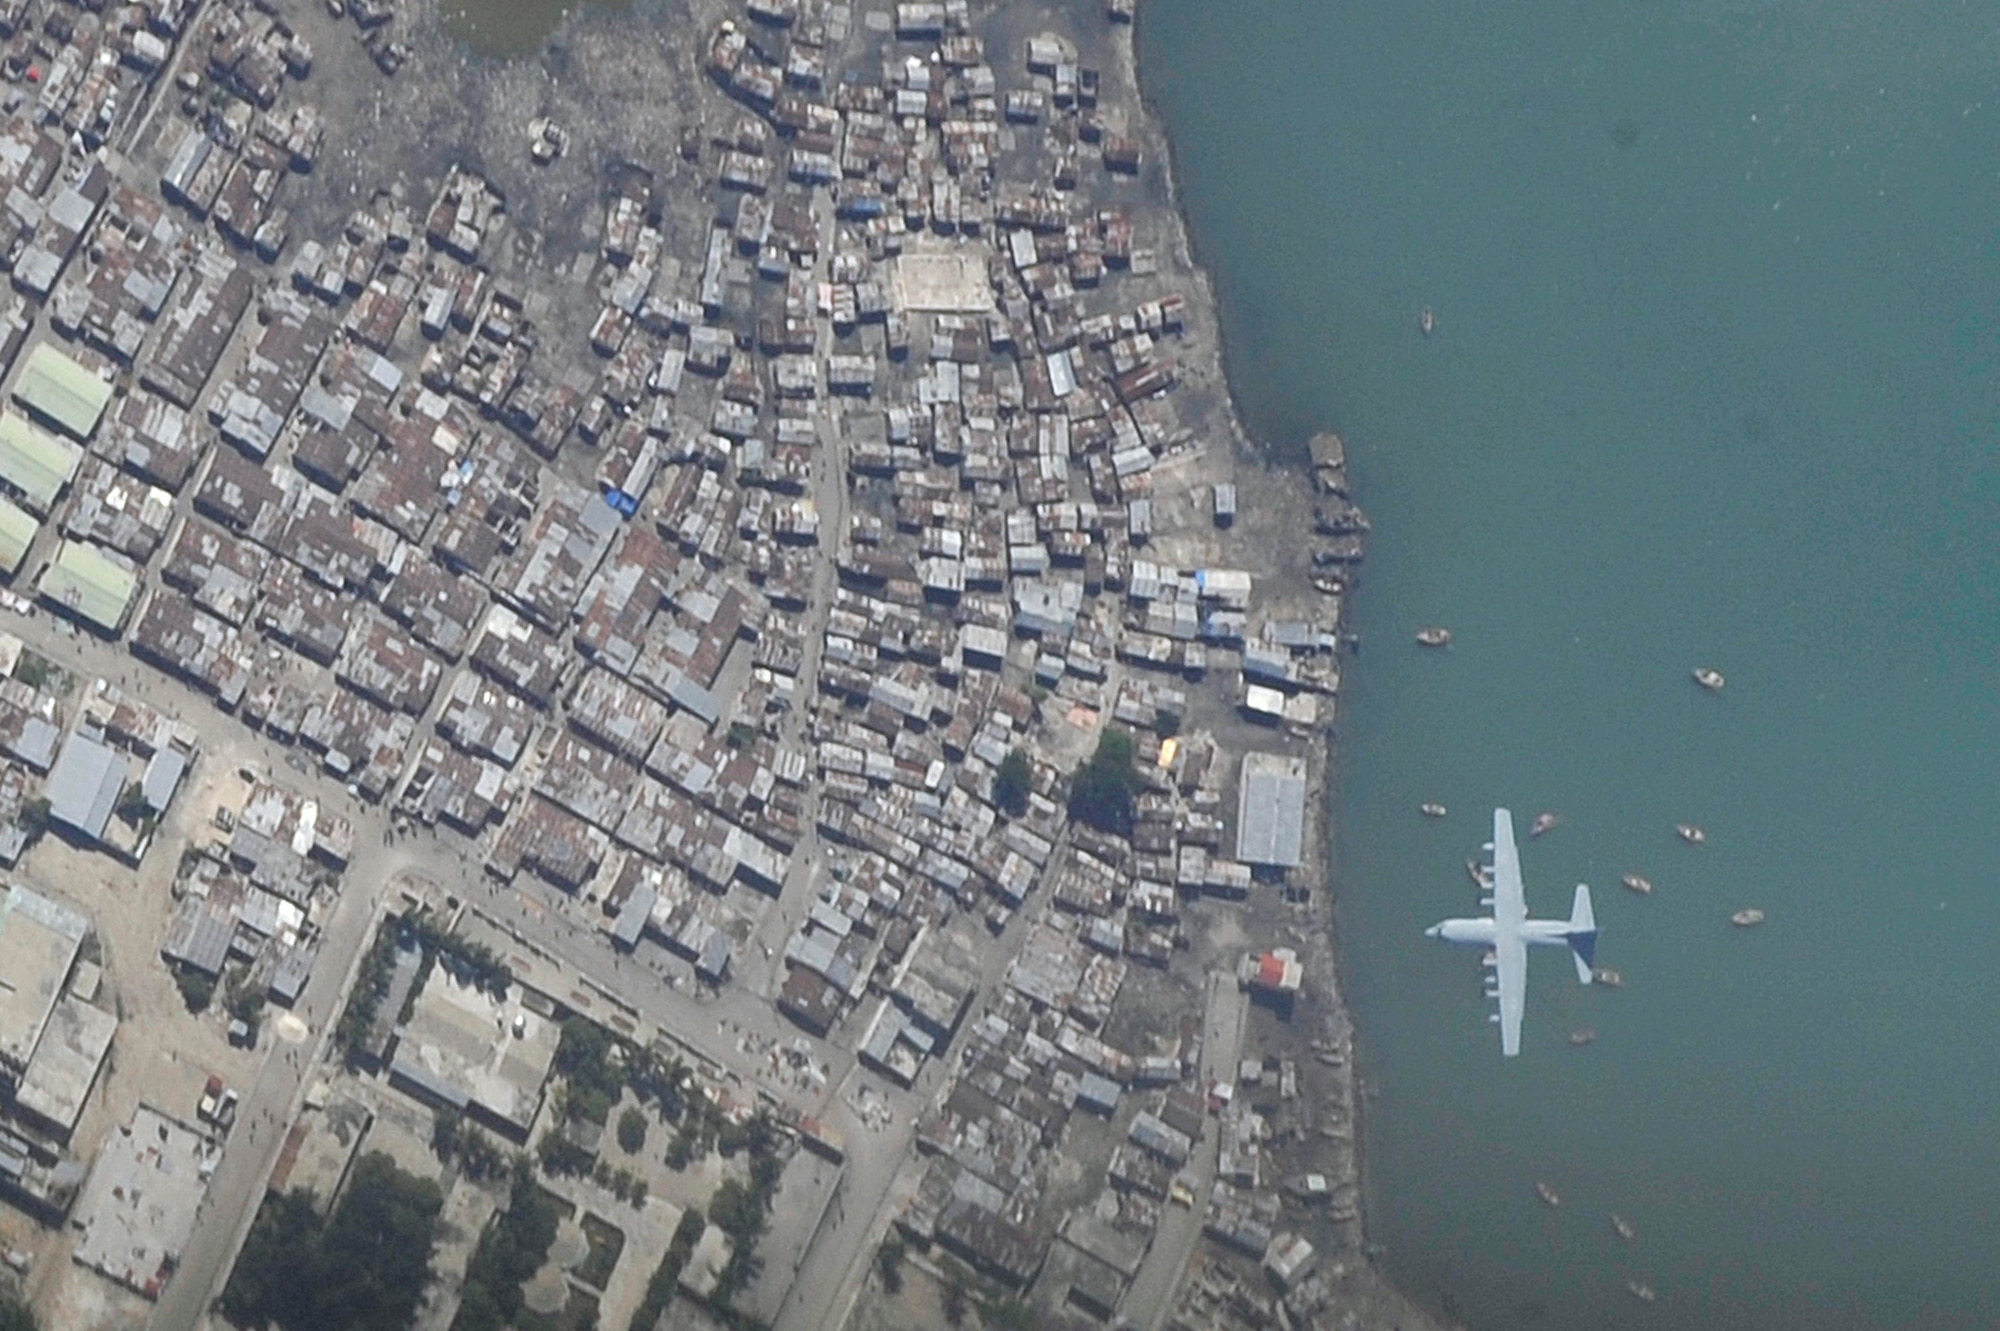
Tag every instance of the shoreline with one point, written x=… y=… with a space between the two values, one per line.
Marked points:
x=1324 y=982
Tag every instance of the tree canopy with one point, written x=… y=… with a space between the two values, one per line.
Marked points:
x=1013 y=782
x=511 y=1251
x=16 y=1315
x=1101 y=795
x=364 y=1268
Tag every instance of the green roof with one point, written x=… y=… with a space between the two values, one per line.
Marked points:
x=61 y=391
x=17 y=533
x=34 y=463
x=90 y=584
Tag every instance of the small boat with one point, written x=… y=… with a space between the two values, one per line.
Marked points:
x=1435 y=636
x=1583 y=1037
x=1426 y=321
x=1708 y=679
x=1477 y=874
x=1547 y=1194
x=1642 y=1292
x=1745 y=919
x=1431 y=809
x=1607 y=977
x=1623 y=1227
x=1691 y=834
x=1639 y=883
x=1543 y=822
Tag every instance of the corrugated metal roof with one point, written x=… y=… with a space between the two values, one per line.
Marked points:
x=1271 y=810
x=33 y=462
x=17 y=533
x=89 y=583
x=57 y=388
x=85 y=783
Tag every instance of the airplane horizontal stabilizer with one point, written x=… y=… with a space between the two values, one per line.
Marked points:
x=1583 y=934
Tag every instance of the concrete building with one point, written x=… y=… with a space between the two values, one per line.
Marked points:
x=1271 y=811
x=39 y=939
x=66 y=1064
x=484 y=1055
x=138 y=1206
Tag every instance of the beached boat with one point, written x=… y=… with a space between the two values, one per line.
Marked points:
x=1691 y=834
x=1744 y=919
x=1639 y=883
x=1431 y=809
x=1547 y=1194
x=1640 y=1291
x=1434 y=637
x=1607 y=977
x=1426 y=321
x=1708 y=679
x=1623 y=1227
x=1543 y=822
x=1583 y=1037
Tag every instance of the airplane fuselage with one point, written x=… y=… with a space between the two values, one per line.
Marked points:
x=1486 y=932
x=1507 y=933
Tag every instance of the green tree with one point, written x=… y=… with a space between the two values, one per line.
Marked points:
x=243 y=999
x=363 y=1269
x=889 y=1264
x=16 y=1315
x=632 y=1131
x=446 y=1126
x=511 y=1250
x=34 y=816
x=197 y=988
x=34 y=670
x=585 y=1058
x=956 y=1305
x=1013 y=783
x=1101 y=795
x=132 y=805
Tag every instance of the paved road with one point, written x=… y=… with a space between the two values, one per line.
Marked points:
x=265 y=1113
x=1150 y=1296
x=834 y=1268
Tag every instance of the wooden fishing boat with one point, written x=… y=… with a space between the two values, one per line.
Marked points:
x=1543 y=822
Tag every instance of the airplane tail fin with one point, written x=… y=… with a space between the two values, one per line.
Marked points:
x=1582 y=934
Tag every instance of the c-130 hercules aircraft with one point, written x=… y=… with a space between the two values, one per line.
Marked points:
x=1508 y=931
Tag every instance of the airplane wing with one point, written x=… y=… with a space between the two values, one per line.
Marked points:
x=1510 y=900
x=1510 y=955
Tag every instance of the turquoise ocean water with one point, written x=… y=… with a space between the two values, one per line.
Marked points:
x=1713 y=383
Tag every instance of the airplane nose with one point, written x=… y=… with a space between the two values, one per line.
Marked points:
x=1434 y=931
